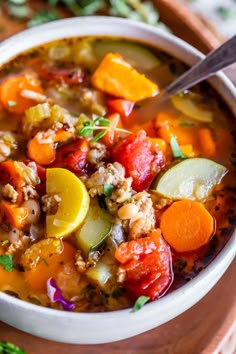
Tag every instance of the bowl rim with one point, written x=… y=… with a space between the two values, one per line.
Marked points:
x=10 y=48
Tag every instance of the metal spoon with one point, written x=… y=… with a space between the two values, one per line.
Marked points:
x=216 y=60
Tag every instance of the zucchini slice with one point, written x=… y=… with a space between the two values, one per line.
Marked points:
x=135 y=54
x=192 y=178
x=191 y=109
x=95 y=230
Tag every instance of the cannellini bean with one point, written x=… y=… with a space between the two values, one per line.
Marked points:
x=34 y=212
x=128 y=211
x=14 y=235
x=4 y=150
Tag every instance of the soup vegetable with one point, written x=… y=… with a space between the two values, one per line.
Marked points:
x=108 y=199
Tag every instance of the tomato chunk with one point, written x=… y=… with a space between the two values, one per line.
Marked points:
x=142 y=159
x=146 y=263
x=123 y=107
x=73 y=156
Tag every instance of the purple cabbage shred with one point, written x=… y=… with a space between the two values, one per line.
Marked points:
x=55 y=295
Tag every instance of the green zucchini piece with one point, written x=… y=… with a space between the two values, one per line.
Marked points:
x=135 y=54
x=192 y=178
x=100 y=273
x=191 y=109
x=95 y=230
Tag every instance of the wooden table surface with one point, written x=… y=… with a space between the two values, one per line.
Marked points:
x=205 y=327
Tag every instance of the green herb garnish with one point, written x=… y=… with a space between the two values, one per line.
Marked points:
x=225 y=12
x=11 y=103
x=99 y=136
x=177 y=153
x=43 y=16
x=140 y=302
x=186 y=124
x=100 y=123
x=107 y=190
x=5 y=242
x=9 y=348
x=6 y=261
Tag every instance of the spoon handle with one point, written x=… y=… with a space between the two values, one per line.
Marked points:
x=214 y=61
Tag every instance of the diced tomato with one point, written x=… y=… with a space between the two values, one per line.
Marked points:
x=123 y=107
x=73 y=156
x=147 y=265
x=142 y=159
x=65 y=75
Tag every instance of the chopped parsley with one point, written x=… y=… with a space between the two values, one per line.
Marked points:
x=6 y=261
x=177 y=153
x=100 y=123
x=140 y=302
x=186 y=124
x=43 y=16
x=9 y=348
x=225 y=12
x=11 y=103
x=5 y=242
x=107 y=190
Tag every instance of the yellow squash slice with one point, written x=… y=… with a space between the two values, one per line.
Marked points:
x=73 y=205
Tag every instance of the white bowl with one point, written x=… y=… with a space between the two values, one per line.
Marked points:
x=91 y=328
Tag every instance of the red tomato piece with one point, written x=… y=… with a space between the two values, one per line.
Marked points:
x=142 y=159
x=147 y=265
x=73 y=156
x=123 y=107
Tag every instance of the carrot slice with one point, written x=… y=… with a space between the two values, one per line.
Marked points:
x=48 y=266
x=118 y=78
x=14 y=215
x=45 y=153
x=10 y=93
x=187 y=225
x=208 y=146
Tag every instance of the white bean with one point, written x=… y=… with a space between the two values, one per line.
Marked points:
x=34 y=212
x=14 y=235
x=128 y=211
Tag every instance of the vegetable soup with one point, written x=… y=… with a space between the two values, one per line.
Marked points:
x=109 y=199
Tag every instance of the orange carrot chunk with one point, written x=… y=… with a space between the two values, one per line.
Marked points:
x=208 y=146
x=187 y=225
x=10 y=93
x=42 y=147
x=48 y=267
x=118 y=78
x=43 y=154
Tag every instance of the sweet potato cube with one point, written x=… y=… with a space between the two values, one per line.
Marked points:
x=118 y=78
